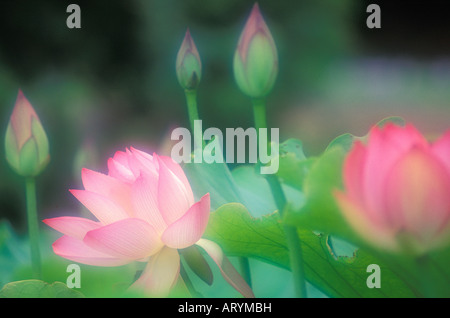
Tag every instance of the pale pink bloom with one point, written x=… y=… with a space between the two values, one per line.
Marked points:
x=398 y=189
x=145 y=211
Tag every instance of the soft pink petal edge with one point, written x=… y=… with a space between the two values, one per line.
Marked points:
x=190 y=227
x=173 y=198
x=75 y=250
x=72 y=226
x=103 y=208
x=131 y=239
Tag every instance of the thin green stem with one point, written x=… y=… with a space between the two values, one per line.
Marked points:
x=191 y=100
x=259 y=113
x=33 y=227
x=292 y=239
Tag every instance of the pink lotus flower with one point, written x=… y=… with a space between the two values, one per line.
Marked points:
x=146 y=211
x=398 y=189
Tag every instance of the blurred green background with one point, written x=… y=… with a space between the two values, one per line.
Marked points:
x=112 y=83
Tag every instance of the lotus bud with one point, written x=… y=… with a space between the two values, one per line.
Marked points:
x=397 y=190
x=188 y=65
x=26 y=144
x=256 y=59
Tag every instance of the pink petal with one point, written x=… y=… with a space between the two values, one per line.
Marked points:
x=179 y=173
x=190 y=227
x=104 y=209
x=75 y=250
x=417 y=194
x=145 y=200
x=160 y=274
x=255 y=24
x=404 y=137
x=21 y=118
x=385 y=146
x=72 y=226
x=226 y=268
x=119 y=168
x=173 y=198
x=110 y=187
x=441 y=149
x=132 y=239
x=361 y=222
x=121 y=157
x=141 y=161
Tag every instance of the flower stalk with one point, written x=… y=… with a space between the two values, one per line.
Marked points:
x=33 y=228
x=192 y=106
x=292 y=239
x=255 y=70
x=27 y=153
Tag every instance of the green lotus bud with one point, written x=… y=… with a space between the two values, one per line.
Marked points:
x=188 y=65
x=26 y=144
x=256 y=59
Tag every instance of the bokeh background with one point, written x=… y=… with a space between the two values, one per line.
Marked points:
x=112 y=83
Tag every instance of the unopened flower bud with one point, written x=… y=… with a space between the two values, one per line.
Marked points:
x=256 y=59
x=26 y=144
x=188 y=65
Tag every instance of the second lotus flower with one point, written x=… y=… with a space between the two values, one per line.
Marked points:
x=397 y=190
x=146 y=212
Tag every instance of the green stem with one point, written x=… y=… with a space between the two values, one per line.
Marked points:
x=33 y=227
x=292 y=239
x=259 y=113
x=191 y=100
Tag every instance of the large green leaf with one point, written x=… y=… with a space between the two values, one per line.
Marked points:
x=263 y=238
x=38 y=289
x=320 y=211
